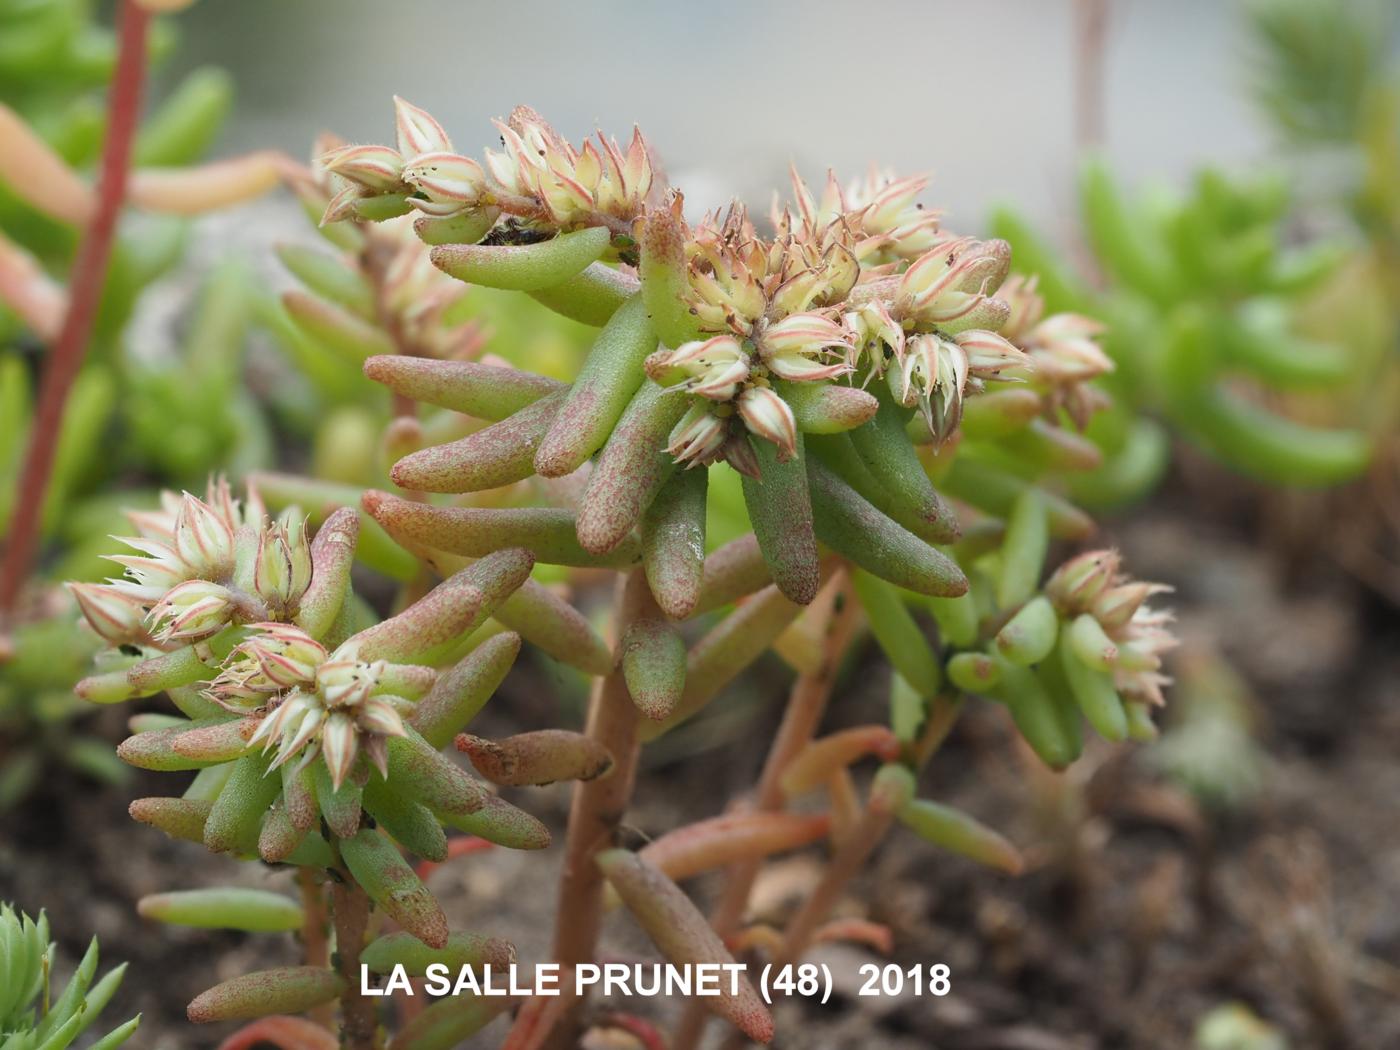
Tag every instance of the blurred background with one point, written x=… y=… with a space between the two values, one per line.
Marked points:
x=983 y=95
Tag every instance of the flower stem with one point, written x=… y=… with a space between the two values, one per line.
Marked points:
x=89 y=276
x=806 y=703
x=314 y=940
x=597 y=810
x=359 y=1027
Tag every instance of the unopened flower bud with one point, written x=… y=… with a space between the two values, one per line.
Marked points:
x=379 y=717
x=417 y=132
x=446 y=178
x=712 y=369
x=768 y=415
x=1077 y=584
x=378 y=168
x=698 y=437
x=794 y=347
x=115 y=612
x=191 y=609
x=282 y=571
x=203 y=539
x=340 y=746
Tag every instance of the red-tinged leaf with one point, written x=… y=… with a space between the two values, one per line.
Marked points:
x=383 y=874
x=654 y=666
x=630 y=470
x=290 y=989
x=332 y=556
x=683 y=936
x=723 y=840
x=819 y=760
x=546 y=620
x=673 y=542
x=285 y=1033
x=733 y=571
x=180 y=818
x=542 y=757
x=548 y=533
x=461 y=846
x=453 y=609
x=462 y=949
x=490 y=392
x=462 y=690
x=221 y=742
x=498 y=455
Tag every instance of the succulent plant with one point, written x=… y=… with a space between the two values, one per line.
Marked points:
x=32 y=1017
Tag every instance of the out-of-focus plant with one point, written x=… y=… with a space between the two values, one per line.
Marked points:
x=78 y=409
x=1201 y=295
x=32 y=1017
x=1328 y=76
x=840 y=381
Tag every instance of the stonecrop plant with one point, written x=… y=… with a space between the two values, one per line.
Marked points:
x=893 y=409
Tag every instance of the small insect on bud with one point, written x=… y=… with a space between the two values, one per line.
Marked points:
x=450 y=181
x=711 y=369
x=117 y=613
x=800 y=347
x=768 y=415
x=376 y=168
x=191 y=609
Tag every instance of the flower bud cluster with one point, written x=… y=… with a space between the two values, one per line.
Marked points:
x=201 y=565
x=311 y=702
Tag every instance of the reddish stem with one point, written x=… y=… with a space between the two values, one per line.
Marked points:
x=85 y=292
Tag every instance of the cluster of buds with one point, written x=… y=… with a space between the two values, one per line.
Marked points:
x=879 y=217
x=201 y=564
x=1063 y=354
x=538 y=178
x=313 y=702
x=1113 y=624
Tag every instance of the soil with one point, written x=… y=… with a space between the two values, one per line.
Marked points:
x=1142 y=908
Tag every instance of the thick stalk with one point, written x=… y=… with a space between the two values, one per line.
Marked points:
x=85 y=292
x=597 y=810
x=806 y=703
x=359 y=1025
x=315 y=942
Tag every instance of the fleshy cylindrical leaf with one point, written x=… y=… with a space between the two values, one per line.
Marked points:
x=995 y=491
x=897 y=633
x=663 y=273
x=590 y=297
x=220 y=742
x=499 y=822
x=541 y=757
x=720 y=841
x=780 y=511
x=337 y=329
x=654 y=666
x=1028 y=637
x=500 y=454
x=549 y=533
x=290 y=989
x=332 y=557
x=1095 y=694
x=546 y=620
x=391 y=883
x=1023 y=549
x=854 y=529
x=630 y=470
x=411 y=824
x=449 y=1022
x=673 y=542
x=224 y=908
x=491 y=392
x=605 y=384
x=180 y=818
x=884 y=446
x=732 y=571
x=684 y=936
x=237 y=814
x=453 y=609
x=956 y=831
x=827 y=408
x=523 y=267
x=461 y=691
